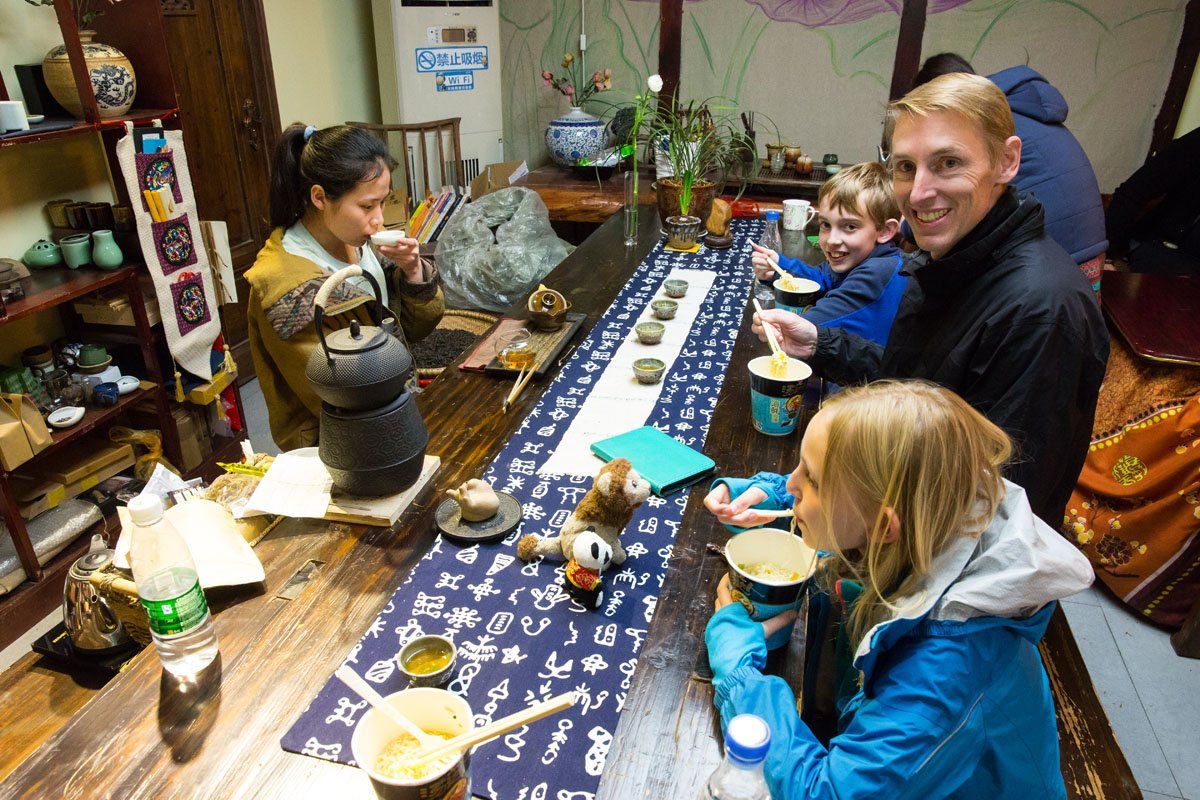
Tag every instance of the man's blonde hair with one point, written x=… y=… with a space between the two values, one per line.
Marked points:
x=922 y=451
x=862 y=189
x=971 y=96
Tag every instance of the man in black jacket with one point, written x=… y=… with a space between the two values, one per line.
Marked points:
x=996 y=310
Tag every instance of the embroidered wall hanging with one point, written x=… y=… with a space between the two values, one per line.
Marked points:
x=172 y=246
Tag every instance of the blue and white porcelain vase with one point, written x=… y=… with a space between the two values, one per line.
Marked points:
x=576 y=135
x=113 y=80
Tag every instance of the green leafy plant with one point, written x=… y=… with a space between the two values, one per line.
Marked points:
x=703 y=144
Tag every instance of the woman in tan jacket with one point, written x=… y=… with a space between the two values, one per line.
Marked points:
x=327 y=192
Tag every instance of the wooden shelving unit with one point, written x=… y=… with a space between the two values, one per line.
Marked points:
x=136 y=28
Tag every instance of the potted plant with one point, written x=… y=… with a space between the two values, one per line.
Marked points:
x=576 y=136
x=702 y=144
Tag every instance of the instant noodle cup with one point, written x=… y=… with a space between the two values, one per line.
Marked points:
x=768 y=571
x=796 y=294
x=776 y=400
x=435 y=711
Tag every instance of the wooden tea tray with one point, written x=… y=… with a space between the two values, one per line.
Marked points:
x=548 y=345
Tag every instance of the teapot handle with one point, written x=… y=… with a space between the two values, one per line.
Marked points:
x=332 y=282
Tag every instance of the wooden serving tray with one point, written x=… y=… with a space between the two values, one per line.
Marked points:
x=548 y=345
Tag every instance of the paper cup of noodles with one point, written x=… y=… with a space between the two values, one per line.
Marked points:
x=796 y=294
x=387 y=238
x=380 y=747
x=776 y=400
x=768 y=570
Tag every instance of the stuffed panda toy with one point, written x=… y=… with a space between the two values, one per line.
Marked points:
x=590 y=556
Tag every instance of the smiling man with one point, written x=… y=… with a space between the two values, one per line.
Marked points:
x=995 y=311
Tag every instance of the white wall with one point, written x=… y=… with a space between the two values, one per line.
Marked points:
x=324 y=59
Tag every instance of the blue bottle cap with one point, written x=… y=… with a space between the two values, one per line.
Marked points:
x=747 y=738
x=772 y=213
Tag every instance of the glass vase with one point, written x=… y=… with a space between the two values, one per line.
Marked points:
x=631 y=208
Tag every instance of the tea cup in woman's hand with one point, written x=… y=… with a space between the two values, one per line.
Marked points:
x=405 y=253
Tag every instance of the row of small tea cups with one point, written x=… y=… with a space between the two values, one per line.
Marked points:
x=650 y=370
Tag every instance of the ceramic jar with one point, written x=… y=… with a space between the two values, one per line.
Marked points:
x=42 y=254
x=106 y=254
x=113 y=80
x=575 y=135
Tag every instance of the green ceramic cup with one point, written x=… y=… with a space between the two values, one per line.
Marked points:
x=77 y=250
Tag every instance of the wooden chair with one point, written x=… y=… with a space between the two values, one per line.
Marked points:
x=433 y=139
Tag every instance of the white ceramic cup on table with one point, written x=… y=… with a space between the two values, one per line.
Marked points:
x=13 y=116
x=797 y=214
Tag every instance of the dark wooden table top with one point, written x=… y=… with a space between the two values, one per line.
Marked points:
x=570 y=197
x=1158 y=315
x=143 y=736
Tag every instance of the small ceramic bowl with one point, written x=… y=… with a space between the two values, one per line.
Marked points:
x=35 y=119
x=424 y=646
x=648 y=370
x=127 y=384
x=105 y=394
x=91 y=355
x=664 y=309
x=675 y=287
x=650 y=332
x=387 y=238
x=65 y=417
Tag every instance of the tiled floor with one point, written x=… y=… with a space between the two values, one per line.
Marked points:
x=1151 y=695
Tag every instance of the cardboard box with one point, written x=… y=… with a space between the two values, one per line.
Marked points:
x=497 y=176
x=114 y=309
x=82 y=464
x=395 y=209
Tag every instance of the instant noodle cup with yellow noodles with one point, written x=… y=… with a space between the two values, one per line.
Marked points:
x=380 y=747
x=768 y=569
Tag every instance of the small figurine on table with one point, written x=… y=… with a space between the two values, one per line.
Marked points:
x=590 y=556
x=717 y=225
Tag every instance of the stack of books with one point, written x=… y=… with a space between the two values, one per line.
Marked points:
x=431 y=216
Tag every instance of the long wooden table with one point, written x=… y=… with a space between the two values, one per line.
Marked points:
x=143 y=736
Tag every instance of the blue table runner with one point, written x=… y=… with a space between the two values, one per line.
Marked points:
x=521 y=638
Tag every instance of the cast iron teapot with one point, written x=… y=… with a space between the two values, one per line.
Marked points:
x=358 y=367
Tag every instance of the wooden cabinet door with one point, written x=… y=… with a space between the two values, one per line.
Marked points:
x=230 y=119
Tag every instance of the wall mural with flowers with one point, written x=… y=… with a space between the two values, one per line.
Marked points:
x=819 y=70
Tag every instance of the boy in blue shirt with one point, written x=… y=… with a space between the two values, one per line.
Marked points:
x=859 y=220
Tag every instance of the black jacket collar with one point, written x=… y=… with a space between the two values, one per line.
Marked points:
x=1011 y=220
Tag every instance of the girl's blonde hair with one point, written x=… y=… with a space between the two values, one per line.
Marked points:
x=925 y=453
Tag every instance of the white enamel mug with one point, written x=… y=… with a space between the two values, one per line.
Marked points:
x=797 y=214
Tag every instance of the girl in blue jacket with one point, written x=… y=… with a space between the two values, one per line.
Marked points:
x=899 y=484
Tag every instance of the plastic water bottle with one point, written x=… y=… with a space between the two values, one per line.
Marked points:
x=740 y=776
x=763 y=290
x=166 y=581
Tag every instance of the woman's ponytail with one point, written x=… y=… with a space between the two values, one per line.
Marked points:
x=335 y=158
x=289 y=189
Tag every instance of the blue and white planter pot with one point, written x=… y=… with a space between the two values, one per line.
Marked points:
x=575 y=135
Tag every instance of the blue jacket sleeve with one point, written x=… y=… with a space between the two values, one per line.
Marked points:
x=798 y=268
x=773 y=483
x=862 y=286
x=909 y=740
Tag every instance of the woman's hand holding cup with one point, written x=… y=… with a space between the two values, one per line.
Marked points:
x=796 y=335
x=402 y=251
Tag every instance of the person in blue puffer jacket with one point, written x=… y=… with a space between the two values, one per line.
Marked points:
x=899 y=484
x=858 y=223
x=1054 y=167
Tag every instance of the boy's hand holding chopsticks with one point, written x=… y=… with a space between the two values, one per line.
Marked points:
x=765 y=261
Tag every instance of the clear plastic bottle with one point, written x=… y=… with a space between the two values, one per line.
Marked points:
x=740 y=776
x=166 y=580
x=764 y=291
